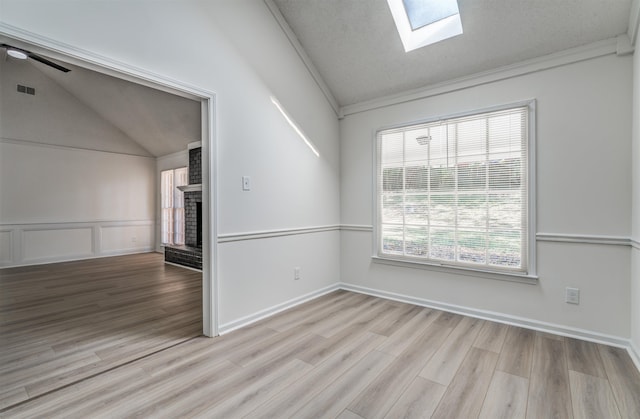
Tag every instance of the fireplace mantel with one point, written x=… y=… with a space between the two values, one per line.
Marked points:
x=191 y=188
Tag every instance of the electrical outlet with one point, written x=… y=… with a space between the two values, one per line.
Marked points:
x=296 y=273
x=246 y=183
x=572 y=295
x=134 y=239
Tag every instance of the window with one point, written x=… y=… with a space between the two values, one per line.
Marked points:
x=425 y=22
x=172 y=198
x=456 y=192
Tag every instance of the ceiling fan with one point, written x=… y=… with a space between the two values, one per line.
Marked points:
x=23 y=54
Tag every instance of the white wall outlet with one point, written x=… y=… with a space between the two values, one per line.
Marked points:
x=246 y=183
x=572 y=295
x=296 y=273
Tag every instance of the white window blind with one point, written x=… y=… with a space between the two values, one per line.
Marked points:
x=172 y=203
x=454 y=192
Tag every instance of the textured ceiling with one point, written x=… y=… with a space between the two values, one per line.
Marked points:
x=356 y=49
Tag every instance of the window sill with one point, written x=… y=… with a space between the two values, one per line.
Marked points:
x=501 y=276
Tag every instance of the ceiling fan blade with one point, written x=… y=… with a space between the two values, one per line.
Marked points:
x=47 y=62
x=37 y=58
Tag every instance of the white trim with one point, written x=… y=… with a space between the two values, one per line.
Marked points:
x=570 y=56
x=457 y=270
x=87 y=59
x=267 y=234
x=183 y=266
x=18 y=243
x=634 y=353
x=634 y=22
x=252 y=318
x=623 y=45
x=583 y=239
x=69 y=53
x=526 y=323
x=315 y=75
x=356 y=227
x=544 y=237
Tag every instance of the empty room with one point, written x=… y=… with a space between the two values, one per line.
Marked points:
x=320 y=208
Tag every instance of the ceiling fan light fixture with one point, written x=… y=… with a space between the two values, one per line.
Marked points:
x=15 y=53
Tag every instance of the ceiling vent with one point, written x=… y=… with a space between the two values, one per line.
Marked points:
x=26 y=89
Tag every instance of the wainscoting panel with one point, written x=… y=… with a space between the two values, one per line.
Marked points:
x=56 y=243
x=6 y=249
x=32 y=244
x=117 y=238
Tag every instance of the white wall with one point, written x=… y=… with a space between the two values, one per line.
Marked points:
x=291 y=187
x=72 y=185
x=60 y=203
x=584 y=178
x=635 y=236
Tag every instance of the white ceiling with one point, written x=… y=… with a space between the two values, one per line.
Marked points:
x=356 y=49
x=160 y=122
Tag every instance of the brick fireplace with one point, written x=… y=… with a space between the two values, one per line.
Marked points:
x=191 y=253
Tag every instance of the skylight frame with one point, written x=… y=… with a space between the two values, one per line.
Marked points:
x=429 y=34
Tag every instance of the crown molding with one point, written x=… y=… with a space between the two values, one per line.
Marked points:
x=558 y=59
x=293 y=39
x=634 y=22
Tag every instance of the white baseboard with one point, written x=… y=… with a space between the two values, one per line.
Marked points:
x=252 y=318
x=634 y=353
x=497 y=317
x=48 y=261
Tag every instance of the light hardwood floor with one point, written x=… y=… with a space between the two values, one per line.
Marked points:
x=64 y=322
x=346 y=355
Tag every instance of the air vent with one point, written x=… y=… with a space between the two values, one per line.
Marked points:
x=26 y=89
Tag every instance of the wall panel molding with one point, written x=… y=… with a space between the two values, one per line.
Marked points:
x=38 y=243
x=544 y=237
x=267 y=234
x=584 y=239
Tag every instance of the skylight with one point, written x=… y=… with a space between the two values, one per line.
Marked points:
x=425 y=22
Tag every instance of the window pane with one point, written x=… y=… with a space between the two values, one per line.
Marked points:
x=505 y=248
x=392 y=240
x=416 y=178
x=392 y=179
x=442 y=210
x=416 y=241
x=416 y=209
x=472 y=246
x=443 y=178
x=442 y=244
x=472 y=210
x=392 y=209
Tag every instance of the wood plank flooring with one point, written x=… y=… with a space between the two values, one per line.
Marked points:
x=351 y=356
x=61 y=323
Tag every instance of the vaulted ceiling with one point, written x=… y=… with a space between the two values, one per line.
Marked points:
x=157 y=122
x=356 y=49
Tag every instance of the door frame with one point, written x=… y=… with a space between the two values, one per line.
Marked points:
x=89 y=60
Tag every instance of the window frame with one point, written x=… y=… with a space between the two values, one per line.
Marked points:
x=530 y=275
x=173 y=208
